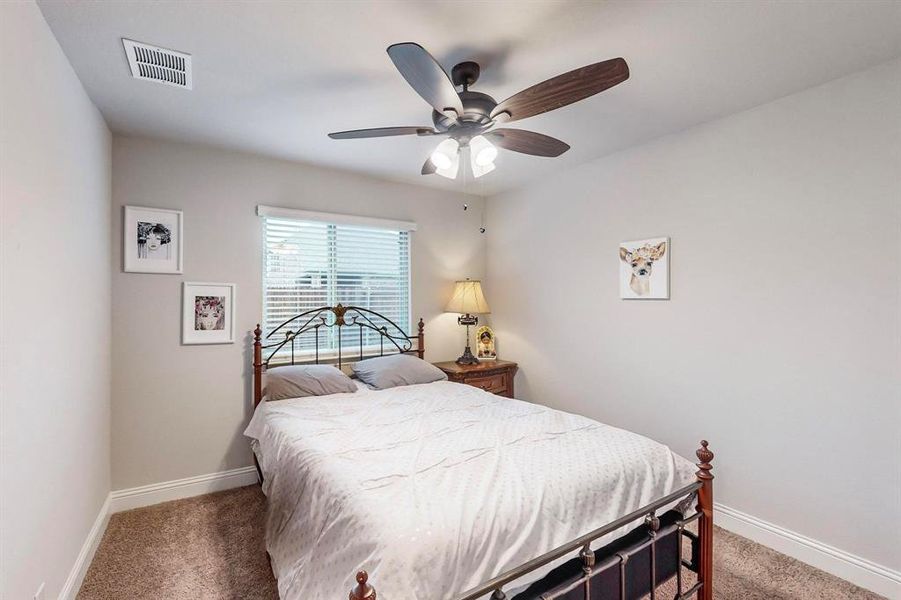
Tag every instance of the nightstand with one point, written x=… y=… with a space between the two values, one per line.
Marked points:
x=495 y=376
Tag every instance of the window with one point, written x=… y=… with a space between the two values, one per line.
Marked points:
x=324 y=260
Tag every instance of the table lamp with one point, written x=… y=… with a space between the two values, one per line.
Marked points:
x=467 y=299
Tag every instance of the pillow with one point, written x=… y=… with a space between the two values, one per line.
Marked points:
x=398 y=369
x=299 y=381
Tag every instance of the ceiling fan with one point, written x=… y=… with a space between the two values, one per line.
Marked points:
x=470 y=119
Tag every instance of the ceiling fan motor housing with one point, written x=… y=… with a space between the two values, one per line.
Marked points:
x=477 y=106
x=477 y=109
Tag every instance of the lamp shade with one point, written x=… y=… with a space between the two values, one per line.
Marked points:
x=468 y=298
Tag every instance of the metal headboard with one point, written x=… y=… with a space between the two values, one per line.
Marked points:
x=392 y=339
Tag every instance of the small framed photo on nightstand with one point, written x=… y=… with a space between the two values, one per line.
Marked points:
x=485 y=349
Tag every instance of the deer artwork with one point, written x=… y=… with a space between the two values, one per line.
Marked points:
x=641 y=261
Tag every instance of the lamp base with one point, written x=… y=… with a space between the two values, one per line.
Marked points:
x=467 y=358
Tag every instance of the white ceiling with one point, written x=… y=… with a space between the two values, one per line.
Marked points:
x=275 y=77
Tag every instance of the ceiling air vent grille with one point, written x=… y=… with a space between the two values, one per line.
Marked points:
x=158 y=64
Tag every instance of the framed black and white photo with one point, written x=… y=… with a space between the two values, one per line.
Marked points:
x=208 y=313
x=152 y=240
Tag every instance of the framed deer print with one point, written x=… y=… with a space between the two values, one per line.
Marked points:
x=152 y=240
x=644 y=269
x=208 y=313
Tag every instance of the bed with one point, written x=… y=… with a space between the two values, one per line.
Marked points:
x=444 y=491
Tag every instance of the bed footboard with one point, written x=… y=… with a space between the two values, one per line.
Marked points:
x=631 y=567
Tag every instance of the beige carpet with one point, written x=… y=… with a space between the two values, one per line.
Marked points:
x=211 y=547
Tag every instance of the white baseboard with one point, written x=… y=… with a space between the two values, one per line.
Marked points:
x=146 y=495
x=855 y=569
x=86 y=554
x=165 y=491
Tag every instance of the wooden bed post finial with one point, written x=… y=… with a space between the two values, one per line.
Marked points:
x=257 y=365
x=705 y=523
x=704 y=467
x=362 y=591
x=420 y=349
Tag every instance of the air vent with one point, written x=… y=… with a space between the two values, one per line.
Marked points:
x=158 y=64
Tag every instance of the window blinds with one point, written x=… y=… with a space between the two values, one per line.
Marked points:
x=313 y=263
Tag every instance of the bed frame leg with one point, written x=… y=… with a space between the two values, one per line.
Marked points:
x=705 y=523
x=362 y=591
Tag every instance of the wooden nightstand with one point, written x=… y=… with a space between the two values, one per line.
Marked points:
x=495 y=376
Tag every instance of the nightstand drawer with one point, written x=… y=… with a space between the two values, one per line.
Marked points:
x=495 y=384
x=493 y=376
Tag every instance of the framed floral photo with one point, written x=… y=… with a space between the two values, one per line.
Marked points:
x=152 y=240
x=208 y=313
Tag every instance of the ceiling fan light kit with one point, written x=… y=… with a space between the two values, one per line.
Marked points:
x=470 y=119
x=479 y=170
x=450 y=171
x=483 y=151
x=445 y=153
x=445 y=160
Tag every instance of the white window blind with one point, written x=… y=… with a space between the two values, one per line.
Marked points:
x=313 y=263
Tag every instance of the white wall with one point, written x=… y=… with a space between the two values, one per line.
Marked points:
x=782 y=341
x=179 y=411
x=55 y=194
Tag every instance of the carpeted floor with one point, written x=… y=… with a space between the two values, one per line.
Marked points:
x=211 y=547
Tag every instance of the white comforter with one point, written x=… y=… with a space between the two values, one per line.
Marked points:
x=436 y=488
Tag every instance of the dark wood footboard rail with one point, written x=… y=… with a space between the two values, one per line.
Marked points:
x=593 y=573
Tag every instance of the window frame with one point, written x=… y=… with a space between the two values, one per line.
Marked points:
x=332 y=222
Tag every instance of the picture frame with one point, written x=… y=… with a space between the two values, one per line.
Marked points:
x=485 y=343
x=152 y=240
x=644 y=269
x=208 y=313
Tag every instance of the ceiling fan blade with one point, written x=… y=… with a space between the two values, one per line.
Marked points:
x=381 y=132
x=428 y=167
x=562 y=90
x=426 y=76
x=527 y=142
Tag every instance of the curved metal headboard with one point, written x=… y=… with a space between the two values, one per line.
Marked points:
x=339 y=316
